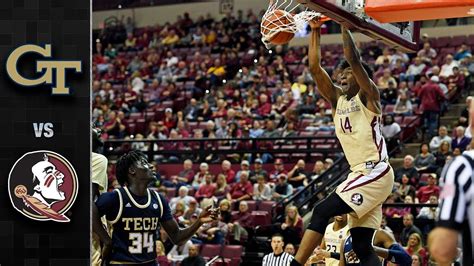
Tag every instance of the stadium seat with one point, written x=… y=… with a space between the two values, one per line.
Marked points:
x=389 y=108
x=266 y=206
x=232 y=252
x=170 y=192
x=261 y=218
x=135 y=116
x=209 y=251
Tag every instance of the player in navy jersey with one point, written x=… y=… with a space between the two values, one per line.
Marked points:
x=135 y=211
x=384 y=245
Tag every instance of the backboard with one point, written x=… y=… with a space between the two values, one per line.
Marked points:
x=404 y=36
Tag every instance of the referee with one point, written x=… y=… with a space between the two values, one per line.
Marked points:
x=278 y=257
x=457 y=209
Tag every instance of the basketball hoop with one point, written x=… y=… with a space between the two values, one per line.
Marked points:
x=297 y=23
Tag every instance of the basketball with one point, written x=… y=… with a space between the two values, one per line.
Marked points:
x=275 y=21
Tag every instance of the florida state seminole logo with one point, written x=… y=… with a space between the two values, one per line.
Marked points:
x=43 y=186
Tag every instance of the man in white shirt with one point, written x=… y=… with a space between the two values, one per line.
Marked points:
x=442 y=136
x=447 y=68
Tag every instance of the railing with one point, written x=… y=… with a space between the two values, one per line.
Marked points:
x=114 y=4
x=320 y=187
x=288 y=147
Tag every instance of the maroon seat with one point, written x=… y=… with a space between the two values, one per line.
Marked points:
x=135 y=116
x=140 y=126
x=398 y=119
x=209 y=251
x=266 y=206
x=458 y=40
x=261 y=218
x=389 y=108
x=170 y=192
x=234 y=253
x=470 y=40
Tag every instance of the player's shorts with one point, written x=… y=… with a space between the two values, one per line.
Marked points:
x=364 y=191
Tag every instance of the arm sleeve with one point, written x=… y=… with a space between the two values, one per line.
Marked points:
x=108 y=204
x=99 y=171
x=398 y=255
x=166 y=210
x=453 y=197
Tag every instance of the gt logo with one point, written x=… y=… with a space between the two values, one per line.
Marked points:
x=46 y=66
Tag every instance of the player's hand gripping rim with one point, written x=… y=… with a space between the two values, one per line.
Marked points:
x=317 y=22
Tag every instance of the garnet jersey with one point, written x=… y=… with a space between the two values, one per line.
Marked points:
x=359 y=131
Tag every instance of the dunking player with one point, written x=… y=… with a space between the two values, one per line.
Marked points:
x=357 y=115
x=135 y=212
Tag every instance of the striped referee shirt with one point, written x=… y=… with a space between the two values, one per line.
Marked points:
x=457 y=196
x=283 y=259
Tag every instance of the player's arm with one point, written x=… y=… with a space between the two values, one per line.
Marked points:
x=179 y=236
x=326 y=87
x=342 y=261
x=368 y=90
x=387 y=247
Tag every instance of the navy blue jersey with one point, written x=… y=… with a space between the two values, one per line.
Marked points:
x=134 y=222
x=347 y=249
x=352 y=261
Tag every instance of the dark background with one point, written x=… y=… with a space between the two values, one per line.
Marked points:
x=65 y=24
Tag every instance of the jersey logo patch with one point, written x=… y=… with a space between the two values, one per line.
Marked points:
x=357 y=199
x=155 y=206
x=43 y=186
x=128 y=205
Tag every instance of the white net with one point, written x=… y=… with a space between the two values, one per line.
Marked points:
x=280 y=17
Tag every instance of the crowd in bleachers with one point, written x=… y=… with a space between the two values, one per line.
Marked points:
x=210 y=78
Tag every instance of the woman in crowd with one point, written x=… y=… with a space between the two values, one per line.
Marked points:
x=261 y=190
x=292 y=228
x=161 y=258
x=415 y=247
x=221 y=188
x=425 y=162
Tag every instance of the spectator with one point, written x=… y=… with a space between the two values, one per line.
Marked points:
x=425 y=161
x=205 y=112
x=282 y=189
x=297 y=177
x=403 y=105
x=456 y=81
x=415 y=247
x=415 y=70
x=191 y=111
x=292 y=228
x=431 y=189
x=210 y=131
x=192 y=210
x=222 y=189
x=244 y=166
x=442 y=154
x=242 y=190
x=206 y=190
x=214 y=232
x=416 y=260
x=171 y=39
x=261 y=190
x=228 y=172
x=431 y=98
x=265 y=106
x=225 y=208
x=429 y=212
x=199 y=176
x=390 y=132
x=409 y=228
x=256 y=131
x=318 y=169
x=187 y=174
x=464 y=116
x=460 y=140
x=463 y=52
x=180 y=208
x=447 y=68
x=386 y=56
x=405 y=189
x=182 y=196
x=114 y=126
x=290 y=249
x=194 y=259
x=298 y=88
x=385 y=79
x=258 y=170
x=161 y=258
x=328 y=163
x=442 y=136
x=169 y=121
x=241 y=221
x=279 y=169
x=427 y=53
x=407 y=169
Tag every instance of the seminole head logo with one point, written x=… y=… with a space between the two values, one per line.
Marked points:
x=43 y=186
